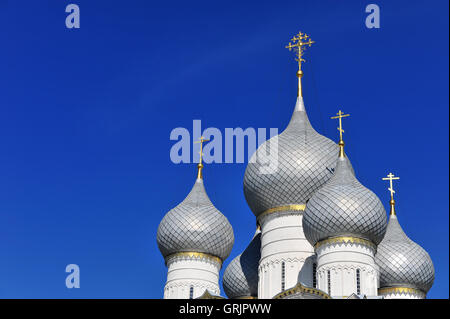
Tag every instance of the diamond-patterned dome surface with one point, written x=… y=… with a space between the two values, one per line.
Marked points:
x=195 y=225
x=305 y=161
x=240 y=278
x=402 y=262
x=344 y=207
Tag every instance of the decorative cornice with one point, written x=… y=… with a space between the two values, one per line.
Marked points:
x=285 y=208
x=189 y=283
x=400 y=290
x=195 y=255
x=302 y=289
x=346 y=240
x=270 y=261
x=321 y=271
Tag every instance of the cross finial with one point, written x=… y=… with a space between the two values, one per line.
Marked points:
x=201 y=140
x=340 y=115
x=391 y=177
x=298 y=44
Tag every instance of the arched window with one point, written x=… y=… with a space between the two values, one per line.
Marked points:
x=283 y=276
x=191 y=292
x=314 y=275
x=358 y=282
x=329 y=282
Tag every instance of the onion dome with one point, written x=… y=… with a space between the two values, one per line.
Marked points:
x=240 y=279
x=195 y=225
x=344 y=207
x=287 y=169
x=402 y=262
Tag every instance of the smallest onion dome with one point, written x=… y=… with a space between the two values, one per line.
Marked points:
x=240 y=279
x=402 y=262
x=195 y=225
x=343 y=206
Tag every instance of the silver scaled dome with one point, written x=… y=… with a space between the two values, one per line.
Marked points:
x=240 y=278
x=402 y=262
x=344 y=207
x=304 y=162
x=195 y=225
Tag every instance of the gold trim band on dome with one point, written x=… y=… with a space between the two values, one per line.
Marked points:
x=194 y=254
x=295 y=207
x=400 y=290
x=345 y=239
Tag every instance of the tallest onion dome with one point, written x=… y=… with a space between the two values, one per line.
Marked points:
x=196 y=226
x=287 y=169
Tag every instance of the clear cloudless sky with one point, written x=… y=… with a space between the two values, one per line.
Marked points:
x=86 y=114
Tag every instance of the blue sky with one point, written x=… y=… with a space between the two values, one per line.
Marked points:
x=86 y=114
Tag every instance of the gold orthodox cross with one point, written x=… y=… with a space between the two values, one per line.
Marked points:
x=298 y=44
x=201 y=140
x=390 y=177
x=339 y=116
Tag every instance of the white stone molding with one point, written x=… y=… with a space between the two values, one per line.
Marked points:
x=185 y=272
x=282 y=240
x=342 y=259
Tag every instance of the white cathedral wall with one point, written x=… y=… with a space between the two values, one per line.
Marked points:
x=343 y=260
x=186 y=272
x=282 y=240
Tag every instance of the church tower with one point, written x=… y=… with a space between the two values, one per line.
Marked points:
x=345 y=222
x=194 y=238
x=406 y=269
x=320 y=234
x=304 y=162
